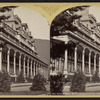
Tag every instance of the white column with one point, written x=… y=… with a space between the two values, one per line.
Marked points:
x=60 y=64
x=66 y=60
x=19 y=64
x=24 y=67
x=28 y=67
x=99 y=66
x=75 y=59
x=94 y=63
x=90 y=63
x=55 y=65
x=31 y=68
x=83 y=53
x=15 y=63
x=0 y=59
x=8 y=55
x=40 y=69
x=37 y=68
x=34 y=68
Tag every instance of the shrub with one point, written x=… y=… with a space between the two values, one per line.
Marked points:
x=95 y=77
x=5 y=82
x=88 y=79
x=38 y=83
x=20 y=78
x=78 y=82
x=56 y=84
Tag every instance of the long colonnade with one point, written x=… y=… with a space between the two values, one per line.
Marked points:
x=79 y=58
x=14 y=61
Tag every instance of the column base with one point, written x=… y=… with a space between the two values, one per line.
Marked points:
x=65 y=73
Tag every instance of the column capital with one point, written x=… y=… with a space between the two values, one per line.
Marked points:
x=95 y=56
x=75 y=48
x=83 y=51
x=15 y=54
x=8 y=52
x=24 y=58
x=0 y=49
x=19 y=56
x=89 y=54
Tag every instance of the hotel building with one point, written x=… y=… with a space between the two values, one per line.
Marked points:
x=19 y=53
x=86 y=55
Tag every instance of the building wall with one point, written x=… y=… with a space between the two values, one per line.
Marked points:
x=19 y=46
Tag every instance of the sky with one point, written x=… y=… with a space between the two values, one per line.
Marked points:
x=95 y=11
x=37 y=23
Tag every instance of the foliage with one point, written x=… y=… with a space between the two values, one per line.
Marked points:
x=58 y=49
x=95 y=77
x=38 y=83
x=5 y=82
x=56 y=84
x=64 y=21
x=3 y=10
x=88 y=79
x=78 y=82
x=20 y=78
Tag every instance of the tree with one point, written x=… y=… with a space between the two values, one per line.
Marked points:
x=5 y=82
x=64 y=21
x=3 y=16
x=38 y=83
x=57 y=50
x=56 y=84
x=78 y=82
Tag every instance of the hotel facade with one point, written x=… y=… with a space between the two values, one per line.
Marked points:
x=19 y=53
x=86 y=55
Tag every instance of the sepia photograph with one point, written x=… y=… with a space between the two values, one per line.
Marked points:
x=75 y=52
x=49 y=50
x=24 y=61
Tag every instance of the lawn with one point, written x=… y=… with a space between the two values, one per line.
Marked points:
x=23 y=93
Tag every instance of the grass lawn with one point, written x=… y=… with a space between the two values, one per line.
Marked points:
x=23 y=93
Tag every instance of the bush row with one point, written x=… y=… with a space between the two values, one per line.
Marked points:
x=77 y=82
x=38 y=82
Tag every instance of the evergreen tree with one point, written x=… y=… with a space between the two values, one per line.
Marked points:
x=38 y=83
x=5 y=82
x=78 y=82
x=56 y=84
x=3 y=16
x=62 y=23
